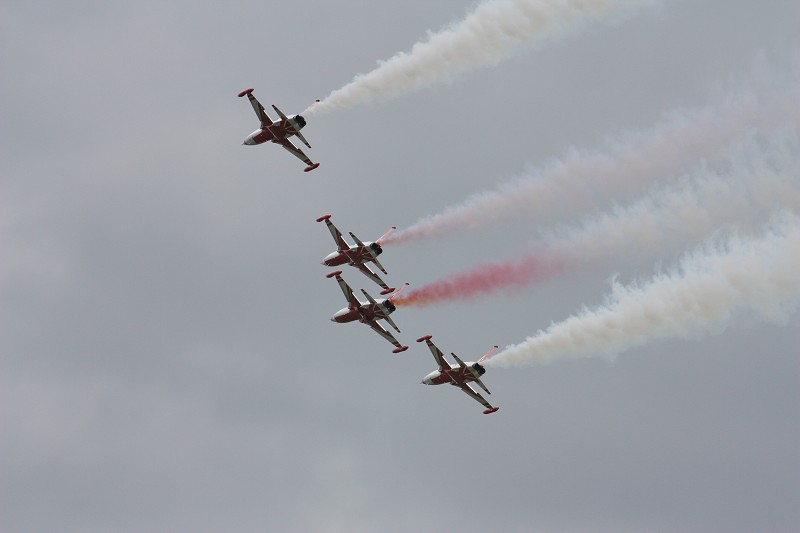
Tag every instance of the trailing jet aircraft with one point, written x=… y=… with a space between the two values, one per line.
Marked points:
x=459 y=376
x=367 y=313
x=357 y=255
x=278 y=132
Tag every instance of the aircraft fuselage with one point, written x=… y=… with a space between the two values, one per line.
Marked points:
x=472 y=372
x=277 y=131
x=356 y=255
x=365 y=312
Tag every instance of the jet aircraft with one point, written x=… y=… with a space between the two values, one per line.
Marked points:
x=357 y=255
x=367 y=313
x=460 y=375
x=278 y=132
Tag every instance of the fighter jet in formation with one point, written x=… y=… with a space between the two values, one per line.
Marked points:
x=357 y=255
x=367 y=312
x=278 y=132
x=459 y=376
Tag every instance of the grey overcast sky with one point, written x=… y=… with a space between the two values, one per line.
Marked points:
x=167 y=362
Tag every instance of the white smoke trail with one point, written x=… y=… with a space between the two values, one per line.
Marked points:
x=628 y=165
x=491 y=33
x=759 y=177
x=702 y=295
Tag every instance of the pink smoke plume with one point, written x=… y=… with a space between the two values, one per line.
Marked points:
x=484 y=279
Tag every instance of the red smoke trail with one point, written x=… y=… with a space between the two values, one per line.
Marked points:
x=483 y=279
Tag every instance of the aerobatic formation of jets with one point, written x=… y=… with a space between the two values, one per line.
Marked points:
x=359 y=255
x=371 y=311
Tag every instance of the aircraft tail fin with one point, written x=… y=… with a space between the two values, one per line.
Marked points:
x=382 y=237
x=487 y=355
x=398 y=291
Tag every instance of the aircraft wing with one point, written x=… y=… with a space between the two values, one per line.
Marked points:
x=380 y=330
x=297 y=152
x=474 y=395
x=259 y=109
x=352 y=301
x=373 y=276
x=438 y=355
x=337 y=236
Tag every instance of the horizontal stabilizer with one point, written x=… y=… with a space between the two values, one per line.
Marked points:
x=458 y=359
x=377 y=263
x=479 y=382
x=280 y=113
x=300 y=136
x=370 y=298
x=391 y=322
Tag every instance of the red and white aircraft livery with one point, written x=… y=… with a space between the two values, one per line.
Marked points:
x=368 y=313
x=460 y=375
x=278 y=132
x=358 y=255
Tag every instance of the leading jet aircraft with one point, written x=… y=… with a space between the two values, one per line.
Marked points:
x=278 y=132
x=460 y=375
x=367 y=312
x=357 y=255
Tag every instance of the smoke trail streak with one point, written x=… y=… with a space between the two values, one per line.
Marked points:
x=483 y=279
x=763 y=176
x=700 y=296
x=488 y=35
x=578 y=180
x=759 y=177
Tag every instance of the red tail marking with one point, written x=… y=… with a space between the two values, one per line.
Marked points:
x=386 y=234
x=393 y=296
x=488 y=354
